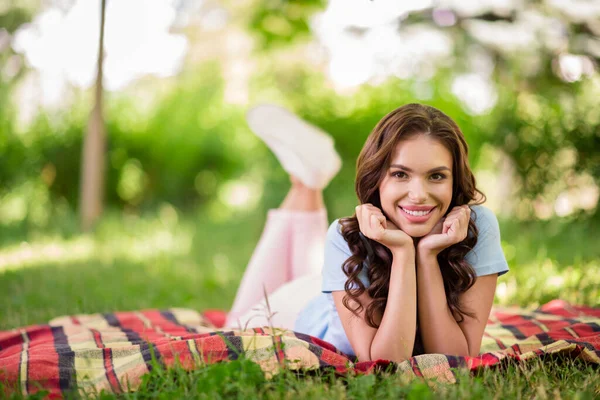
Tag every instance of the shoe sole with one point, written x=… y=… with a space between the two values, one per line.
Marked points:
x=269 y=121
x=281 y=129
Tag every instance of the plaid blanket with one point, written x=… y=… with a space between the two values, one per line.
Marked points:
x=112 y=351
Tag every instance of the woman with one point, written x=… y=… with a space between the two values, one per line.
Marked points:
x=419 y=250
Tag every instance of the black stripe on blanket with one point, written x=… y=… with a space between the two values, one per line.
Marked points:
x=169 y=316
x=112 y=319
x=146 y=348
x=515 y=331
x=66 y=360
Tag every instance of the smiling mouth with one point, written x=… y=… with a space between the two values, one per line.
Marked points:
x=417 y=213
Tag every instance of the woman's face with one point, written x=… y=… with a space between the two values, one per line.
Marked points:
x=417 y=188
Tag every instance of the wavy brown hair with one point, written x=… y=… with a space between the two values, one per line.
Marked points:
x=372 y=163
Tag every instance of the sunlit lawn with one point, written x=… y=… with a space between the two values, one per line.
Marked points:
x=163 y=260
x=188 y=260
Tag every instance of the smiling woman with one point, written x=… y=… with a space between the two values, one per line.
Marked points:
x=417 y=193
x=417 y=190
x=413 y=271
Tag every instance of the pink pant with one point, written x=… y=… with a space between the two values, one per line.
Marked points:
x=286 y=264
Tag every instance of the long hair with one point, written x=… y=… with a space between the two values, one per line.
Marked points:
x=374 y=159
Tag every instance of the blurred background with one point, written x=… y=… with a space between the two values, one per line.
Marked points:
x=143 y=187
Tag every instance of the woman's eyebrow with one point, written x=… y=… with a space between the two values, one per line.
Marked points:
x=405 y=168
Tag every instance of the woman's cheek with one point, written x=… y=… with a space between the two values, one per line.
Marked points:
x=446 y=196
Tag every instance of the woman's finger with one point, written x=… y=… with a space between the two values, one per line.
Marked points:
x=461 y=214
x=374 y=210
x=375 y=227
x=371 y=220
x=457 y=210
x=363 y=217
x=447 y=224
x=382 y=218
x=375 y=220
x=360 y=216
x=364 y=212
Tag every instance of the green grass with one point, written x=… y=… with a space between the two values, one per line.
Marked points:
x=243 y=379
x=177 y=260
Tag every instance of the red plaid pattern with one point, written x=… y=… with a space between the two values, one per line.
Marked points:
x=112 y=351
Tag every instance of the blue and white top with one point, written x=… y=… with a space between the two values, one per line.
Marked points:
x=319 y=317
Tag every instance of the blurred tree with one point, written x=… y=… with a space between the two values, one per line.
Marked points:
x=94 y=147
x=12 y=70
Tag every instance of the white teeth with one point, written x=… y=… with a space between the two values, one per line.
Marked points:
x=416 y=213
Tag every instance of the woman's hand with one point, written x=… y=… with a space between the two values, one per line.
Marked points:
x=448 y=231
x=374 y=225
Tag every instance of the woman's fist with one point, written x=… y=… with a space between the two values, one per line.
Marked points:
x=374 y=225
x=448 y=231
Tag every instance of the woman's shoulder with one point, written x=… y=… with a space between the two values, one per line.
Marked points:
x=487 y=256
x=337 y=253
x=335 y=237
x=482 y=210
x=484 y=219
x=335 y=228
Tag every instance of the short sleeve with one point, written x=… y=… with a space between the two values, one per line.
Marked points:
x=487 y=256
x=336 y=254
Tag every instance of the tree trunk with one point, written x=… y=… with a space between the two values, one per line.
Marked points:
x=94 y=147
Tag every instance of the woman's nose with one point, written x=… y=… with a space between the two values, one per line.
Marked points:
x=417 y=192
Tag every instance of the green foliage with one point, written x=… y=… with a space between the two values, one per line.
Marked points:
x=12 y=151
x=189 y=143
x=186 y=146
x=552 y=133
x=277 y=23
x=12 y=18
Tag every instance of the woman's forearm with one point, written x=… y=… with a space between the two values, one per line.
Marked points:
x=395 y=337
x=439 y=330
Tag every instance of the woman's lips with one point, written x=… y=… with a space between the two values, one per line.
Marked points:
x=416 y=218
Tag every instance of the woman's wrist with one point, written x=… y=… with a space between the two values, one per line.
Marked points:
x=403 y=251
x=424 y=251
x=426 y=256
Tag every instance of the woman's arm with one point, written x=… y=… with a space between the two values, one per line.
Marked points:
x=439 y=330
x=395 y=337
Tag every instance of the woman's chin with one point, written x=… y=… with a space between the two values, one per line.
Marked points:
x=415 y=231
x=412 y=229
x=417 y=234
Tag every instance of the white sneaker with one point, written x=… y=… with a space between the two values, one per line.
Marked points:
x=303 y=150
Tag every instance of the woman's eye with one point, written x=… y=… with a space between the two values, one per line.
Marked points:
x=438 y=177
x=399 y=174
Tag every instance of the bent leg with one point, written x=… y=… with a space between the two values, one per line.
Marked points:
x=291 y=246
x=269 y=265
x=309 y=231
x=289 y=285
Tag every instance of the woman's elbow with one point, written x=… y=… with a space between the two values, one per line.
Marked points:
x=474 y=352
x=389 y=356
x=467 y=352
